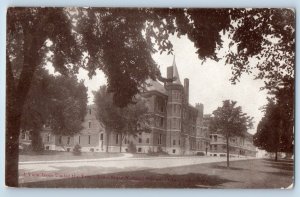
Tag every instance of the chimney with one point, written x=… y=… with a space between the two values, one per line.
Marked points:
x=200 y=108
x=186 y=89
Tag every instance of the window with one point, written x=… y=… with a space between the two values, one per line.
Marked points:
x=174 y=123
x=140 y=140
x=178 y=109
x=89 y=140
x=79 y=139
x=160 y=104
x=215 y=147
x=216 y=138
x=147 y=140
x=101 y=136
x=161 y=121
x=174 y=142
x=160 y=139
x=23 y=135
x=68 y=140
x=174 y=151
x=162 y=107
x=139 y=150
x=117 y=139
x=48 y=137
x=90 y=124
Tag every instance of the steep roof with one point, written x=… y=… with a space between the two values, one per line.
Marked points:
x=156 y=86
x=175 y=73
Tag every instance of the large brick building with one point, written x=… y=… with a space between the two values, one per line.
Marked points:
x=177 y=127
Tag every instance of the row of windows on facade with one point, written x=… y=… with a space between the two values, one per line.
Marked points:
x=175 y=123
x=160 y=103
x=200 y=144
x=231 y=140
x=126 y=141
x=69 y=139
x=175 y=95
x=224 y=147
x=176 y=110
x=140 y=140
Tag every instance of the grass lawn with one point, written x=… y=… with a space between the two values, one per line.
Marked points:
x=54 y=155
x=242 y=174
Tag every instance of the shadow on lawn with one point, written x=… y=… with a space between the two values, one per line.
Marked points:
x=285 y=167
x=136 y=179
x=224 y=167
x=280 y=165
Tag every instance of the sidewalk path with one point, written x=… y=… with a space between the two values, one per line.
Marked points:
x=124 y=161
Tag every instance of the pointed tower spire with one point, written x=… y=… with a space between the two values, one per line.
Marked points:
x=175 y=73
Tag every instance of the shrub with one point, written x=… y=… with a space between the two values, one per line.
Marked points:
x=161 y=152
x=131 y=148
x=152 y=153
x=77 y=149
x=200 y=154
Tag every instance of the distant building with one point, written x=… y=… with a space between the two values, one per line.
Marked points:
x=238 y=146
x=177 y=127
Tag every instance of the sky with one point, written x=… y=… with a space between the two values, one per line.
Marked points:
x=208 y=81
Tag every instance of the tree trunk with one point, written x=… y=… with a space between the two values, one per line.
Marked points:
x=276 y=155
x=107 y=140
x=13 y=121
x=121 y=142
x=227 y=143
x=12 y=151
x=36 y=141
x=16 y=93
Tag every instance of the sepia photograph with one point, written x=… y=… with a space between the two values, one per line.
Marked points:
x=100 y=97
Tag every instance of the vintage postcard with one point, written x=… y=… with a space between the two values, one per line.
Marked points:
x=150 y=97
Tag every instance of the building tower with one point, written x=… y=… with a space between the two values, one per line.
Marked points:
x=174 y=110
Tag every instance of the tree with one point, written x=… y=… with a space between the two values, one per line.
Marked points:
x=274 y=131
x=55 y=101
x=28 y=30
x=126 y=121
x=229 y=120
